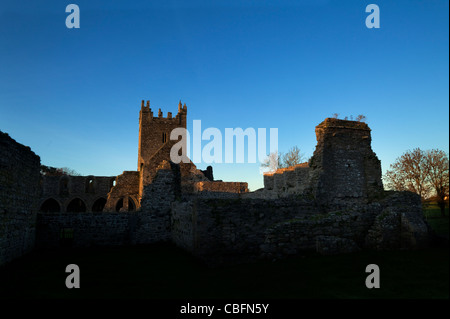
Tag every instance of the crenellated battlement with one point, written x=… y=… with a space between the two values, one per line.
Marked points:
x=146 y=114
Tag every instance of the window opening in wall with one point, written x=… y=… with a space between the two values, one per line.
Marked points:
x=90 y=186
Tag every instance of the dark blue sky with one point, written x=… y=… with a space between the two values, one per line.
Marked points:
x=73 y=95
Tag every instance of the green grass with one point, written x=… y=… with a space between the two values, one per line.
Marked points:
x=433 y=216
x=166 y=272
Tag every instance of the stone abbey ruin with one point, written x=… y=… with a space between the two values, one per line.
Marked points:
x=335 y=203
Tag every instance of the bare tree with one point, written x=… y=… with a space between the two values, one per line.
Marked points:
x=276 y=160
x=361 y=118
x=292 y=157
x=437 y=166
x=272 y=162
x=335 y=115
x=410 y=173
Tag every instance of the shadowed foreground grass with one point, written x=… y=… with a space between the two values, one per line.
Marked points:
x=166 y=272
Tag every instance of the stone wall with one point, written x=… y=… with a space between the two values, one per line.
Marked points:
x=217 y=189
x=84 y=229
x=19 y=193
x=287 y=181
x=230 y=230
x=344 y=169
x=233 y=231
x=183 y=221
x=91 y=190
x=100 y=229
x=124 y=196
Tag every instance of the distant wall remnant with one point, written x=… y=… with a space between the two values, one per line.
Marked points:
x=342 y=171
x=19 y=193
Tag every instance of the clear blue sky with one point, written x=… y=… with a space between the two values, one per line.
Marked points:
x=73 y=95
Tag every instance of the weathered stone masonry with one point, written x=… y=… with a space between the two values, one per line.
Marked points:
x=19 y=193
x=335 y=203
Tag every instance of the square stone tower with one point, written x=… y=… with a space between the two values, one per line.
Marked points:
x=154 y=139
x=344 y=167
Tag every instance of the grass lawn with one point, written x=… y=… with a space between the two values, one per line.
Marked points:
x=164 y=271
x=433 y=216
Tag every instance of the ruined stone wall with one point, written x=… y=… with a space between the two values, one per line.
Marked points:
x=230 y=230
x=287 y=181
x=126 y=191
x=91 y=190
x=86 y=229
x=216 y=189
x=100 y=229
x=395 y=222
x=19 y=193
x=344 y=169
x=156 y=202
x=183 y=223
x=148 y=225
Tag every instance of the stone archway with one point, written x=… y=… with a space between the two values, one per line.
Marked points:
x=50 y=206
x=76 y=205
x=99 y=205
x=131 y=205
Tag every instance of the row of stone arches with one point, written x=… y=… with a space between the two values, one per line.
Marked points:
x=77 y=205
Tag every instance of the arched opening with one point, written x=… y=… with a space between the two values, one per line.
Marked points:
x=164 y=137
x=112 y=183
x=99 y=204
x=50 y=206
x=131 y=205
x=119 y=205
x=76 y=205
x=90 y=185
x=64 y=186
